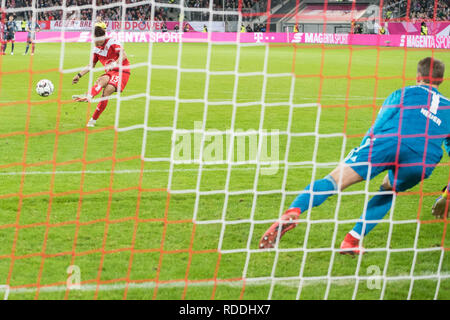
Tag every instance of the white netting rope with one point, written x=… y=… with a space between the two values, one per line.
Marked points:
x=234 y=132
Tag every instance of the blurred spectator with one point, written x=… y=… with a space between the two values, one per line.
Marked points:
x=423 y=29
x=262 y=28
x=392 y=9
x=138 y=13
x=81 y=10
x=424 y=9
x=418 y=9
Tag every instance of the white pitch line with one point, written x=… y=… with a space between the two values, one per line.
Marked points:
x=14 y=173
x=109 y=172
x=312 y=98
x=287 y=281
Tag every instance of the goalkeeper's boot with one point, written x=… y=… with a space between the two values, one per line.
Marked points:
x=91 y=123
x=441 y=205
x=81 y=98
x=274 y=234
x=350 y=245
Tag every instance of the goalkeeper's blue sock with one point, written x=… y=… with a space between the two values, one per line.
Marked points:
x=377 y=208
x=26 y=49
x=323 y=185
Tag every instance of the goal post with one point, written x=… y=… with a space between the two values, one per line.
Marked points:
x=223 y=123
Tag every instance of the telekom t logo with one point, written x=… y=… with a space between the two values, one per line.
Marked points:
x=258 y=36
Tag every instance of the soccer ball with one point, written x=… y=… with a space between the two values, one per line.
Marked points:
x=44 y=88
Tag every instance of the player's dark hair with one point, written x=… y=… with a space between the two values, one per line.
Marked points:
x=431 y=70
x=99 y=32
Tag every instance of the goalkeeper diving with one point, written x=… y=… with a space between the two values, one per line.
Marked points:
x=405 y=140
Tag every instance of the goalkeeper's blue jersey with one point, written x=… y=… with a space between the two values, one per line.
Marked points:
x=419 y=118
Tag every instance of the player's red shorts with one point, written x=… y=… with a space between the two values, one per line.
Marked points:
x=114 y=79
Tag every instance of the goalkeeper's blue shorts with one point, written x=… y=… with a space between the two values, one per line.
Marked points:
x=374 y=156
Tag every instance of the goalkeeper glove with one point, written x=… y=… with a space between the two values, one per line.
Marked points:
x=441 y=205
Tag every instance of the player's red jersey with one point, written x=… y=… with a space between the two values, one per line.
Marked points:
x=109 y=52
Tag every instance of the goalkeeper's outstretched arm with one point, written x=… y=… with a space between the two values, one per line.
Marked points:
x=441 y=208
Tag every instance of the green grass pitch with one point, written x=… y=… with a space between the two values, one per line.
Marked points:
x=131 y=239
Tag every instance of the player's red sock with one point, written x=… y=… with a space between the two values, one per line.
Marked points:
x=100 y=108
x=32 y=48
x=96 y=88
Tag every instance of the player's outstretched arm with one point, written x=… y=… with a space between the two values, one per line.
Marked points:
x=122 y=57
x=84 y=71
x=118 y=62
x=78 y=76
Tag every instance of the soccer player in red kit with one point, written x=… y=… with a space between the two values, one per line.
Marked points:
x=117 y=72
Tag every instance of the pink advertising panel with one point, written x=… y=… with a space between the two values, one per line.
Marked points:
x=411 y=41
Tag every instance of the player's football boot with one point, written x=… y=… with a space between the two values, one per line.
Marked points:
x=350 y=245
x=441 y=205
x=91 y=123
x=80 y=98
x=274 y=234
